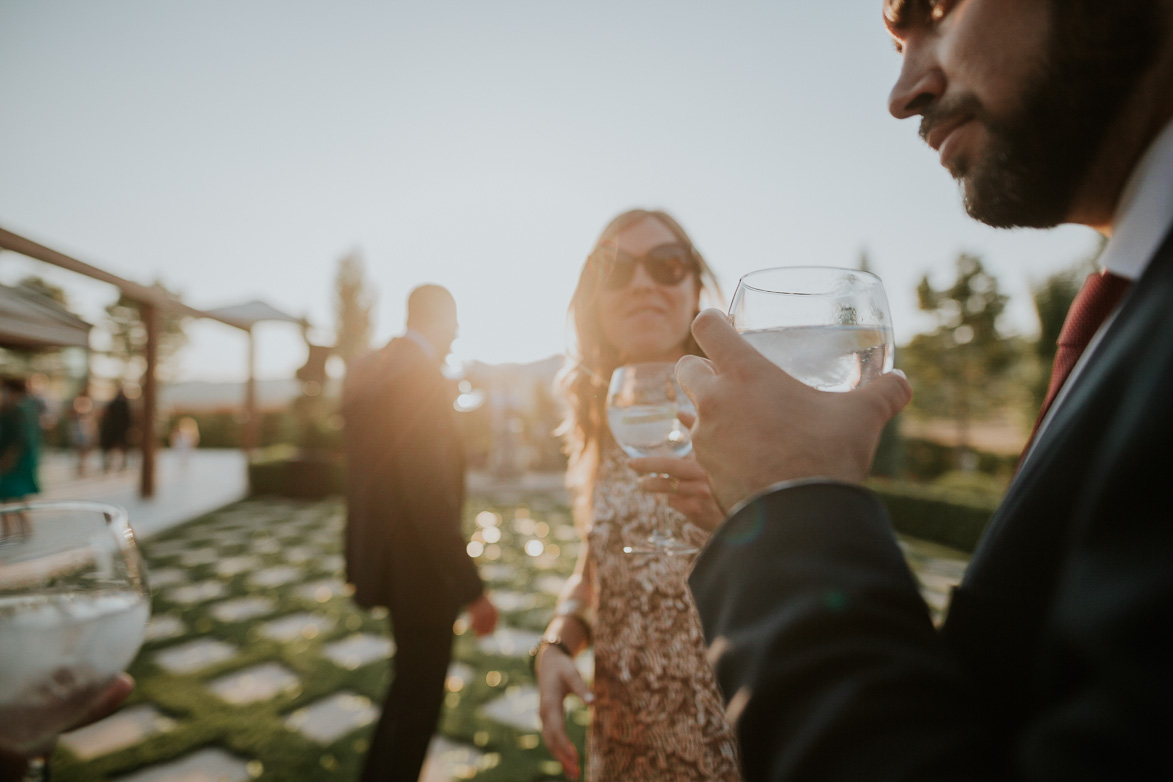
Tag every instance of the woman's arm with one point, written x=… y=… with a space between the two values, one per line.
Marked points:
x=554 y=668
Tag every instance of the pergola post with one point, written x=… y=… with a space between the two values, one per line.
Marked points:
x=150 y=316
x=250 y=397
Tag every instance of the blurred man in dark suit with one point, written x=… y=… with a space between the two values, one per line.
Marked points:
x=1054 y=660
x=404 y=546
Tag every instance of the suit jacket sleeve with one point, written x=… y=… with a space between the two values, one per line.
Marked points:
x=833 y=671
x=824 y=648
x=429 y=464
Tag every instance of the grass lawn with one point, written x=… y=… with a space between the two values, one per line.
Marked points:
x=281 y=562
x=259 y=584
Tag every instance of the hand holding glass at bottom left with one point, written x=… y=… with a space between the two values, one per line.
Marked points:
x=74 y=604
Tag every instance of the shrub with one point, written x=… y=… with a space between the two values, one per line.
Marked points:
x=941 y=515
x=284 y=471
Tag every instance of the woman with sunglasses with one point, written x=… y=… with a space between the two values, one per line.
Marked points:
x=657 y=712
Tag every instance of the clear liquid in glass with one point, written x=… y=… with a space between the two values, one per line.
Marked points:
x=58 y=652
x=649 y=430
x=831 y=357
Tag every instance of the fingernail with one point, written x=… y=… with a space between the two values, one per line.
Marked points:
x=900 y=372
x=589 y=697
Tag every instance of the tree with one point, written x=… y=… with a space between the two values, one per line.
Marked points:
x=46 y=289
x=354 y=305
x=1052 y=298
x=128 y=335
x=964 y=368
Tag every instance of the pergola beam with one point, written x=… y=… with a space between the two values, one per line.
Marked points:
x=140 y=293
x=153 y=300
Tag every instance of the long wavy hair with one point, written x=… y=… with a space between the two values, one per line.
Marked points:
x=591 y=358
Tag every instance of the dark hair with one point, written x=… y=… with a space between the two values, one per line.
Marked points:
x=19 y=385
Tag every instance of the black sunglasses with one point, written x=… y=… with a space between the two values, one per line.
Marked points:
x=666 y=264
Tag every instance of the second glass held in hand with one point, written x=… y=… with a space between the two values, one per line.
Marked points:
x=642 y=405
x=829 y=328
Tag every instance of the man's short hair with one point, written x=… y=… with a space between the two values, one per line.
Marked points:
x=430 y=304
x=899 y=14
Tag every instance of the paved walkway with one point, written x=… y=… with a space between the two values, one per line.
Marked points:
x=187 y=486
x=193 y=584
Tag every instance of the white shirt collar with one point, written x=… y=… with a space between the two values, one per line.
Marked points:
x=1143 y=217
x=419 y=339
x=1145 y=211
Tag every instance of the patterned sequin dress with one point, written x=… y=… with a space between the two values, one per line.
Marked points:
x=658 y=715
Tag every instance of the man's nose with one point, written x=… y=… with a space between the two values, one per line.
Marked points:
x=921 y=82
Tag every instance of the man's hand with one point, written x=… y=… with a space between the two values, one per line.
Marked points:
x=482 y=615
x=12 y=767
x=757 y=426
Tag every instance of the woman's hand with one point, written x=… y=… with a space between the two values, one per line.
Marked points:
x=558 y=677
x=687 y=485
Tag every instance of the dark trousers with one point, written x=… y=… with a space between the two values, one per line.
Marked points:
x=412 y=707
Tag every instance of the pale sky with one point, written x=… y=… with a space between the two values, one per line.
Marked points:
x=237 y=150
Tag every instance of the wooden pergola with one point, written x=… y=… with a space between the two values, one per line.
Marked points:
x=152 y=301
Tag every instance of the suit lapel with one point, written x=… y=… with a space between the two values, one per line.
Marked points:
x=1100 y=380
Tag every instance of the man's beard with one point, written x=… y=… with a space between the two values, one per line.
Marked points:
x=1037 y=159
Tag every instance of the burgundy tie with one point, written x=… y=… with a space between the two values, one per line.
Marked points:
x=1100 y=294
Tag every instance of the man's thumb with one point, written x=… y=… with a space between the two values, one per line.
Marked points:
x=890 y=393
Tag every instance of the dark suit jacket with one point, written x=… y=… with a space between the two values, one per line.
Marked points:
x=1056 y=658
x=405 y=487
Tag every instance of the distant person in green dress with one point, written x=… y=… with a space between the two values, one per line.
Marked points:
x=20 y=451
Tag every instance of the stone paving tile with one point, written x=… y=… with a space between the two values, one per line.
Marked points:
x=164 y=626
x=259 y=683
x=359 y=650
x=448 y=760
x=300 y=625
x=205 y=765
x=297 y=555
x=333 y=717
x=171 y=548
x=322 y=590
x=266 y=545
x=517 y=707
x=332 y=563
x=550 y=584
x=497 y=572
x=166 y=576
x=197 y=593
x=323 y=542
x=118 y=731
x=275 y=576
x=459 y=675
x=194 y=655
x=585 y=663
x=506 y=600
x=566 y=533
x=242 y=608
x=233 y=566
x=201 y=556
x=509 y=642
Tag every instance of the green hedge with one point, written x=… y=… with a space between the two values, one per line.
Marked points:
x=949 y=517
x=285 y=471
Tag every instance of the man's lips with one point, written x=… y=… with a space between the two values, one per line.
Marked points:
x=943 y=130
